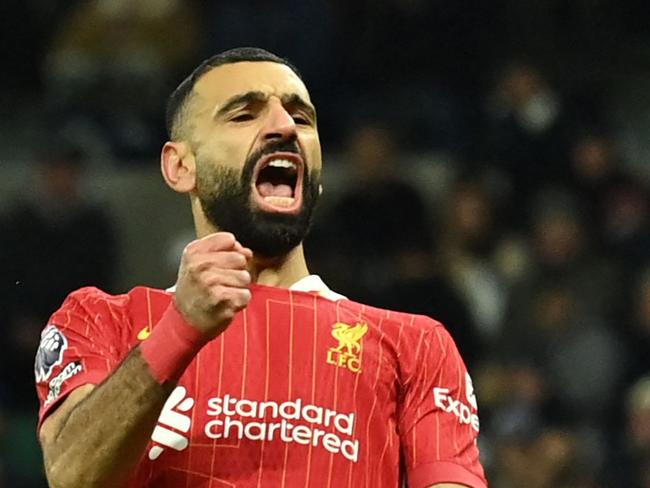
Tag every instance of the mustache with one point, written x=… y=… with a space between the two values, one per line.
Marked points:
x=290 y=145
x=285 y=145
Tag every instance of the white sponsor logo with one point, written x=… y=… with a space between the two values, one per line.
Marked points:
x=234 y=418
x=463 y=412
x=284 y=421
x=171 y=418
x=55 y=385
x=469 y=391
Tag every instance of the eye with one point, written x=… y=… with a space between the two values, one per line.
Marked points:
x=245 y=117
x=301 y=119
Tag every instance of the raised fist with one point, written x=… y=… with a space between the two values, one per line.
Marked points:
x=213 y=282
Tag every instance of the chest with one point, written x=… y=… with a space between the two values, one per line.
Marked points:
x=289 y=380
x=284 y=351
x=255 y=419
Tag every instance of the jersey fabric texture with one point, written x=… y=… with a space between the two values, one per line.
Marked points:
x=304 y=389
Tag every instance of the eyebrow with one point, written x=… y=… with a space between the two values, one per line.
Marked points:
x=240 y=101
x=293 y=100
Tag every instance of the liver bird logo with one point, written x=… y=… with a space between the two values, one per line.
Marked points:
x=349 y=336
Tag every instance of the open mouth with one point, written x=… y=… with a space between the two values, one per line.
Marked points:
x=278 y=182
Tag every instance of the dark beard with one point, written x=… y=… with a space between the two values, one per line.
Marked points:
x=225 y=198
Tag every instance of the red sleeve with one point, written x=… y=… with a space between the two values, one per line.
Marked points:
x=77 y=347
x=439 y=418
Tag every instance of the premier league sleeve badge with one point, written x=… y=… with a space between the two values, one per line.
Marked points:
x=50 y=352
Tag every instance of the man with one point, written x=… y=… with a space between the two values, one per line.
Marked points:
x=249 y=372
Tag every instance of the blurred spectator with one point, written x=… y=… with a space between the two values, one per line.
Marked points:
x=579 y=358
x=559 y=331
x=638 y=331
x=631 y=465
x=378 y=219
x=526 y=134
x=111 y=66
x=55 y=240
x=552 y=459
x=469 y=251
x=575 y=365
x=420 y=285
x=617 y=205
x=626 y=225
x=562 y=253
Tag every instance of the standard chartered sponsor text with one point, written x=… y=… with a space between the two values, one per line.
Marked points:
x=284 y=421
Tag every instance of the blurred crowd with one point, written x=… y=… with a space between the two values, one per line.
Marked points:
x=483 y=181
x=545 y=285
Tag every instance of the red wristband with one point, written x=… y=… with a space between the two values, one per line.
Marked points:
x=171 y=346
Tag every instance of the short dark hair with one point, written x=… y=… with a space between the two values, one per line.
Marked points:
x=177 y=101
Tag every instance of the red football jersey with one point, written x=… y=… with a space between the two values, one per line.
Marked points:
x=304 y=389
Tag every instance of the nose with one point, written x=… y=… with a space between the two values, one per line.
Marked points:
x=279 y=123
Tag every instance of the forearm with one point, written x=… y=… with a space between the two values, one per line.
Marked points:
x=98 y=435
x=104 y=436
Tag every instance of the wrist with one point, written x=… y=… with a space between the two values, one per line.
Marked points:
x=171 y=346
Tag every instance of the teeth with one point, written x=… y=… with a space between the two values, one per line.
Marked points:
x=280 y=201
x=282 y=163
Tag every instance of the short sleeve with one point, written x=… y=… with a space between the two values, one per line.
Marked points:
x=438 y=421
x=76 y=348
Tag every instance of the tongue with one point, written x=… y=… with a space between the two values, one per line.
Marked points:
x=267 y=189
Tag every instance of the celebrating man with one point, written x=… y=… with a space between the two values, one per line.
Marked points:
x=249 y=372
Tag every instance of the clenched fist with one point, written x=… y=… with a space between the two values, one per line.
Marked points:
x=213 y=281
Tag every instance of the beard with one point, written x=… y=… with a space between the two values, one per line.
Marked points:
x=225 y=197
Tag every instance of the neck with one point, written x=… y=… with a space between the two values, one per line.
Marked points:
x=281 y=272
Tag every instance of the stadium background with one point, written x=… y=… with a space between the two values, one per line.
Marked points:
x=487 y=163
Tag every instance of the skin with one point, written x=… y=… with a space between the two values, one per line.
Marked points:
x=98 y=434
x=229 y=142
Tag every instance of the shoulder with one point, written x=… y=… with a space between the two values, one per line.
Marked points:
x=92 y=304
x=88 y=299
x=416 y=320
x=93 y=294
x=91 y=299
x=409 y=323
x=419 y=344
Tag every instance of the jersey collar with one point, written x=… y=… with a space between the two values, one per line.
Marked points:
x=308 y=284
x=314 y=284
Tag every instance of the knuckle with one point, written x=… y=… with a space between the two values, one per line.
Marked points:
x=231 y=260
x=228 y=313
x=240 y=260
x=218 y=292
x=195 y=268
x=205 y=281
x=246 y=277
x=242 y=298
x=225 y=238
x=191 y=249
x=190 y=266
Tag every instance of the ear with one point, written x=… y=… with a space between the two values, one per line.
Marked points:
x=178 y=167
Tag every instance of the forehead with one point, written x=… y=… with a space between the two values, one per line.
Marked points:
x=226 y=81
